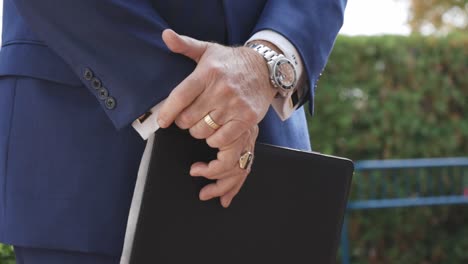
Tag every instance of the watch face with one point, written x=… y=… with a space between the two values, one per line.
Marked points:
x=285 y=74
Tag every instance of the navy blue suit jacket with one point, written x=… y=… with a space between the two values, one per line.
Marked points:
x=68 y=155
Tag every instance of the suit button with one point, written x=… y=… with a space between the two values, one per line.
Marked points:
x=88 y=74
x=96 y=83
x=110 y=103
x=103 y=93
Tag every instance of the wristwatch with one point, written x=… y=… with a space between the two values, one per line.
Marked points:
x=283 y=73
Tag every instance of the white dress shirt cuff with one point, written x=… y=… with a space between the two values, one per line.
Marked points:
x=150 y=124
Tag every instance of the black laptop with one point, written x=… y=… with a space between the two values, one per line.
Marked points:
x=290 y=209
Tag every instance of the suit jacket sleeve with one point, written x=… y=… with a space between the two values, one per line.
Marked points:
x=119 y=41
x=311 y=26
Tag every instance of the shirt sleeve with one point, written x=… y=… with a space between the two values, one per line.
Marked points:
x=147 y=124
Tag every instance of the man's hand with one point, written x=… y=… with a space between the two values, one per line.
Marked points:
x=225 y=169
x=232 y=86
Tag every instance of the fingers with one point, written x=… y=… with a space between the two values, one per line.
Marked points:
x=227 y=161
x=227 y=198
x=209 y=103
x=227 y=134
x=180 y=98
x=221 y=187
x=184 y=45
x=226 y=170
x=202 y=130
x=193 y=118
x=190 y=88
x=195 y=112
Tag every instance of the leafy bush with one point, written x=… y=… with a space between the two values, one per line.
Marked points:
x=398 y=97
x=6 y=255
x=394 y=97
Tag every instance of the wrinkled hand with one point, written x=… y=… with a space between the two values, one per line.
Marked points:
x=232 y=85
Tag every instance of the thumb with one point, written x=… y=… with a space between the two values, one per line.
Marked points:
x=184 y=45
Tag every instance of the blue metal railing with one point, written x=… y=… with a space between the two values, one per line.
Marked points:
x=405 y=183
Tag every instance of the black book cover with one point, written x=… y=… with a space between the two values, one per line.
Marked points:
x=290 y=209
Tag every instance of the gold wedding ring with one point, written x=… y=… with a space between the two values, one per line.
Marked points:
x=245 y=160
x=209 y=121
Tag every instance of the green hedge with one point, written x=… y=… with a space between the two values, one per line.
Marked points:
x=6 y=255
x=395 y=97
x=398 y=97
